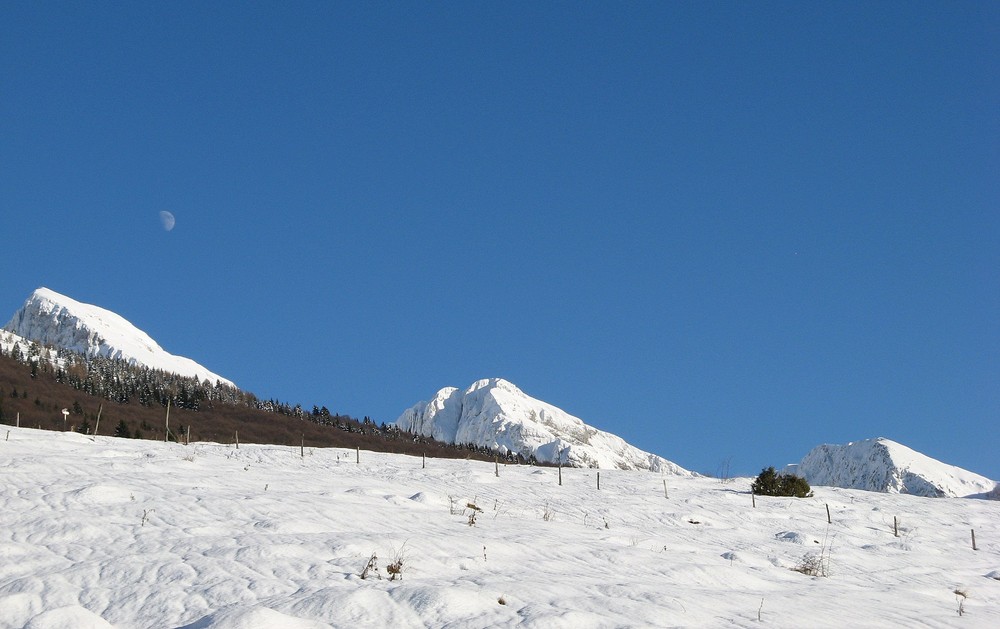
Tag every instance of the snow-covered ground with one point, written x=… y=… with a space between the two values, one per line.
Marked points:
x=101 y=531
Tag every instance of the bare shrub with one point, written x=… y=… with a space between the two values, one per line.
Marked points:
x=395 y=569
x=960 y=596
x=817 y=564
x=371 y=567
x=812 y=565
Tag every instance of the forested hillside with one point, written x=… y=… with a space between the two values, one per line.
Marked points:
x=111 y=397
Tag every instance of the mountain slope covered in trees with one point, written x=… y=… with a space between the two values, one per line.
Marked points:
x=37 y=383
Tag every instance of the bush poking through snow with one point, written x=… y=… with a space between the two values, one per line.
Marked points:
x=371 y=566
x=395 y=569
x=960 y=596
x=474 y=511
x=502 y=600
x=770 y=483
x=812 y=565
x=817 y=564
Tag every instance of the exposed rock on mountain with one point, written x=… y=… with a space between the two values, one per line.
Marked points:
x=886 y=466
x=496 y=414
x=53 y=319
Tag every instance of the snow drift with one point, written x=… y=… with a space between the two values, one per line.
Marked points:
x=53 y=319
x=886 y=466
x=496 y=414
x=105 y=532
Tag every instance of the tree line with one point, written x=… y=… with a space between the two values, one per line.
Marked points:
x=121 y=382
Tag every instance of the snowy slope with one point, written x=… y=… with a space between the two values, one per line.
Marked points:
x=53 y=319
x=497 y=414
x=884 y=465
x=105 y=532
x=8 y=340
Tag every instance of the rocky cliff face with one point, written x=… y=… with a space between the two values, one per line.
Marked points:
x=886 y=466
x=496 y=414
x=53 y=319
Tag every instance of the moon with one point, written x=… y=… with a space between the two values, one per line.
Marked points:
x=167 y=220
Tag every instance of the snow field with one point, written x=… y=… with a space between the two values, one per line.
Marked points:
x=99 y=532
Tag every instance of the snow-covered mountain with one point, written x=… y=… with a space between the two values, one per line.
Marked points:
x=53 y=319
x=496 y=414
x=886 y=466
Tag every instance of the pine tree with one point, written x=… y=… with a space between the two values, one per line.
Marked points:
x=770 y=483
x=766 y=483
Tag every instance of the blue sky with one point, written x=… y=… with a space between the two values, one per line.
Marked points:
x=723 y=231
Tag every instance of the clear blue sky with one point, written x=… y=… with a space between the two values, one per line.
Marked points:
x=723 y=231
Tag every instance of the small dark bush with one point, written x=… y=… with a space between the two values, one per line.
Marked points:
x=770 y=483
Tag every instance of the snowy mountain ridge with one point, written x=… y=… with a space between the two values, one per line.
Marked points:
x=50 y=318
x=495 y=413
x=886 y=466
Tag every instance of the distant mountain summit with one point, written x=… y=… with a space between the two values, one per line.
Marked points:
x=53 y=319
x=496 y=414
x=886 y=466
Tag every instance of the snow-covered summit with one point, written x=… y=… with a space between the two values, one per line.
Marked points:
x=886 y=466
x=53 y=319
x=496 y=414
